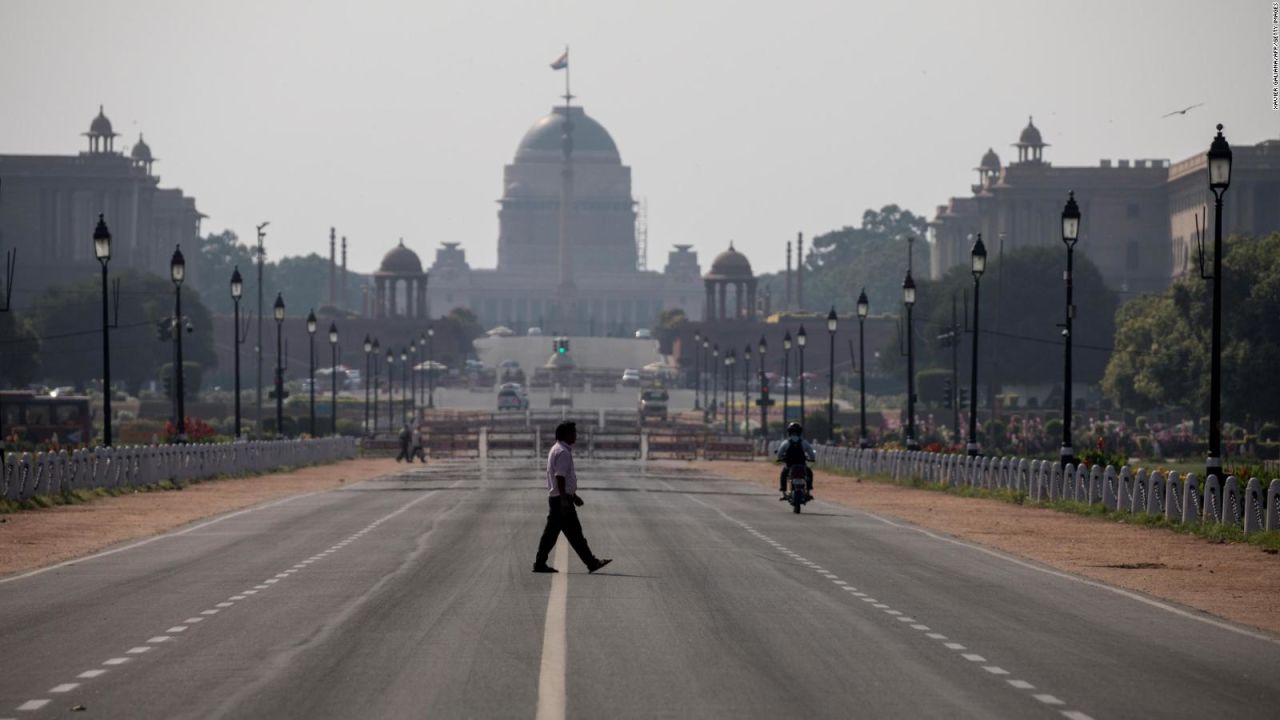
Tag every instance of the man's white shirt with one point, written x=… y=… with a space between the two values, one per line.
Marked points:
x=560 y=462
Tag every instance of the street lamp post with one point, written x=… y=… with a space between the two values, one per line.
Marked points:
x=278 y=313
x=102 y=250
x=697 y=368
x=786 y=379
x=706 y=356
x=802 y=339
x=831 y=377
x=413 y=379
x=311 y=369
x=1070 y=234
x=715 y=380
x=764 y=408
x=746 y=391
x=391 y=391
x=431 y=380
x=909 y=299
x=368 y=378
x=333 y=372
x=261 y=253
x=177 y=273
x=730 y=359
x=1219 y=161
x=405 y=376
x=237 y=291
x=377 y=382
x=864 y=308
x=978 y=265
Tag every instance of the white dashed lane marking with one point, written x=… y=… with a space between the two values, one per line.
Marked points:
x=38 y=703
x=898 y=615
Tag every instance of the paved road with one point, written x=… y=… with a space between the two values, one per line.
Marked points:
x=411 y=596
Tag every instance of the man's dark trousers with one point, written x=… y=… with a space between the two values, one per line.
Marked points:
x=563 y=519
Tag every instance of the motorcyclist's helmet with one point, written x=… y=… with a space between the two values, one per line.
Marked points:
x=795 y=429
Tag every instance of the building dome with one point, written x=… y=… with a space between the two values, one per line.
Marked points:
x=590 y=139
x=101 y=125
x=730 y=264
x=1030 y=135
x=141 y=151
x=990 y=161
x=401 y=261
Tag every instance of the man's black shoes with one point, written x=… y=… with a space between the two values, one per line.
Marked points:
x=544 y=568
x=599 y=563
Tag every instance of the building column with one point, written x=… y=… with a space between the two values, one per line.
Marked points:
x=708 y=312
x=751 y=299
x=721 y=291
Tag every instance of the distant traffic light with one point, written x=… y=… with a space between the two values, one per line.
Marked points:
x=964 y=398
x=947 y=390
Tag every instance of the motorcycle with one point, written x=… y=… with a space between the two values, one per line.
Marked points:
x=799 y=495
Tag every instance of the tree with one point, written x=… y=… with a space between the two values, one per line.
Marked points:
x=873 y=256
x=67 y=319
x=19 y=351
x=1162 y=342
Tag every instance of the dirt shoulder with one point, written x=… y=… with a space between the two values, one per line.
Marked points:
x=1237 y=582
x=37 y=538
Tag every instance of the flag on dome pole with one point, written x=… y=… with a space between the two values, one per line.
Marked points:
x=561 y=62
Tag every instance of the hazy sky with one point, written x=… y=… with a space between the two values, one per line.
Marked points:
x=741 y=120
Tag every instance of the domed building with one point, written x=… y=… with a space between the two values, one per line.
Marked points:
x=51 y=204
x=568 y=257
x=400 y=285
x=731 y=287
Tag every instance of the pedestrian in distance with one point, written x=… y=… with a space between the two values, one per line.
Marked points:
x=563 y=501
x=405 y=437
x=415 y=449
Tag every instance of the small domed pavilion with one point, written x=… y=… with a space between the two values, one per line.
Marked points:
x=400 y=285
x=730 y=271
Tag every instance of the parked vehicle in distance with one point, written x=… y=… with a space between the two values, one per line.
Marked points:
x=512 y=396
x=630 y=378
x=644 y=334
x=653 y=404
x=534 y=332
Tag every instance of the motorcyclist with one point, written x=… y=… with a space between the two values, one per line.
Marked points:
x=795 y=450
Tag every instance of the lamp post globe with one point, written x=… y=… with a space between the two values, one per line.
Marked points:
x=277 y=310
x=311 y=322
x=1070 y=235
x=102 y=240
x=864 y=308
x=1219 y=161
x=102 y=251
x=237 y=284
x=177 y=266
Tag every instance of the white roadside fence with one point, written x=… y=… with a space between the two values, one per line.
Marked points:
x=1180 y=499
x=29 y=474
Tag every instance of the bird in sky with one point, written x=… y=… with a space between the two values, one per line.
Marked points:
x=1183 y=111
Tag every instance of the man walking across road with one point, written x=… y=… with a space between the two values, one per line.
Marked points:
x=562 y=517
